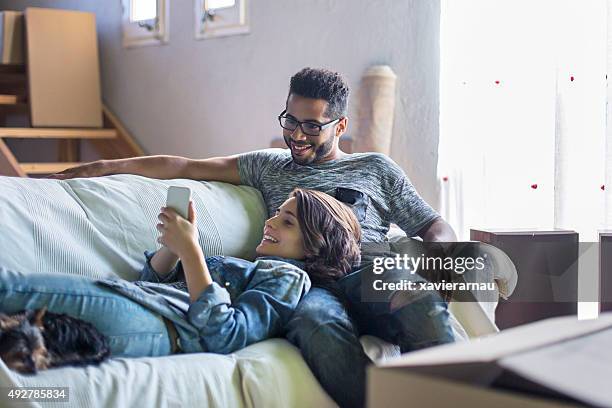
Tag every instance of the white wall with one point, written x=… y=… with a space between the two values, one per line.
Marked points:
x=217 y=97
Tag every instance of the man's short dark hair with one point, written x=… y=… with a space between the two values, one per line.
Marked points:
x=319 y=83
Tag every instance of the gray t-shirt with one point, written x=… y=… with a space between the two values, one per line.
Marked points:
x=385 y=194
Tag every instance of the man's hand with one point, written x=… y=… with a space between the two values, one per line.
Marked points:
x=178 y=234
x=437 y=231
x=93 y=169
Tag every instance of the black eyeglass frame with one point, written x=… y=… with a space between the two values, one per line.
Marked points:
x=321 y=126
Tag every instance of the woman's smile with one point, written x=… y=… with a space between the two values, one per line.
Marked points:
x=269 y=238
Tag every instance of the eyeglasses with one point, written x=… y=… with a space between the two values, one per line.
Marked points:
x=308 y=128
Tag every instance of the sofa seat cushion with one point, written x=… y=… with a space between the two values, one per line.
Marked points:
x=267 y=374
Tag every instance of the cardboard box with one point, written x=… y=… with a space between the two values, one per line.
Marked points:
x=605 y=270
x=547 y=266
x=12 y=41
x=551 y=363
x=63 y=68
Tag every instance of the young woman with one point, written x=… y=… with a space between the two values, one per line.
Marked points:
x=187 y=302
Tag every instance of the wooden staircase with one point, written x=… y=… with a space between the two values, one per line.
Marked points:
x=110 y=142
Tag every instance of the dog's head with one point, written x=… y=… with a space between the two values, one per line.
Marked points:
x=22 y=346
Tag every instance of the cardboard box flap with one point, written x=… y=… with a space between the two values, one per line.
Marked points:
x=560 y=358
x=580 y=368
x=504 y=343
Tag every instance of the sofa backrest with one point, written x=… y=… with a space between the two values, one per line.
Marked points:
x=100 y=227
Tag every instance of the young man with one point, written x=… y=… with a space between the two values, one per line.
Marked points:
x=314 y=119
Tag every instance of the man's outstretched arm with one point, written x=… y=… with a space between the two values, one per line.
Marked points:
x=162 y=167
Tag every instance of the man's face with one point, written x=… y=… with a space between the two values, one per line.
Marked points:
x=306 y=149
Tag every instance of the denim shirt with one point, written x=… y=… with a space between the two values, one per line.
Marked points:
x=246 y=303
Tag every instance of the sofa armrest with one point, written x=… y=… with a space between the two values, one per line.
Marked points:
x=476 y=318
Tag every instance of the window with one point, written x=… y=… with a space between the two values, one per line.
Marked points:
x=219 y=18
x=523 y=119
x=145 y=22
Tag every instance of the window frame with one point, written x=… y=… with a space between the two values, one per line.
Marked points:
x=239 y=27
x=136 y=34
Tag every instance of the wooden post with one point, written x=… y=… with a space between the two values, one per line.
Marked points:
x=9 y=166
x=122 y=146
x=69 y=150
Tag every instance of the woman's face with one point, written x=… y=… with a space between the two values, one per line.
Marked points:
x=282 y=235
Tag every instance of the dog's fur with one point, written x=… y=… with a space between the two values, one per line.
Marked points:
x=36 y=340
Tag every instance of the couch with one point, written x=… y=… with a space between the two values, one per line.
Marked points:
x=99 y=228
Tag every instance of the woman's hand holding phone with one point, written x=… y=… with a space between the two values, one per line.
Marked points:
x=178 y=234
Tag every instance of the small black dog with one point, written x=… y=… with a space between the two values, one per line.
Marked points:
x=36 y=340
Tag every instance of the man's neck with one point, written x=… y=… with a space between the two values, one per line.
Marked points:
x=338 y=154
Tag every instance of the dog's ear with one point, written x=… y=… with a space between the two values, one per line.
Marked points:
x=7 y=322
x=4 y=320
x=35 y=317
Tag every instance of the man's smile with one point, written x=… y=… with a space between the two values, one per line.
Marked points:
x=299 y=149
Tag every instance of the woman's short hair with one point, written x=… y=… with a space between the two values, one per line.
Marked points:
x=331 y=233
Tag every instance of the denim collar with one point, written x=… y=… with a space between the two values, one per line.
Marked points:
x=295 y=262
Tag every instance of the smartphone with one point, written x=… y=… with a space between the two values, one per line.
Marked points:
x=178 y=199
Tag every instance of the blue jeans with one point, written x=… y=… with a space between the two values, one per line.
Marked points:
x=328 y=336
x=132 y=330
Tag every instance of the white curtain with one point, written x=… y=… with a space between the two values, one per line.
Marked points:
x=523 y=95
x=523 y=114
x=608 y=160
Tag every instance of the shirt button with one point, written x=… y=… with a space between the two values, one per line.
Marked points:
x=227 y=283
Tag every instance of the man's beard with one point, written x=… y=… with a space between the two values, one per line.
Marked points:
x=319 y=154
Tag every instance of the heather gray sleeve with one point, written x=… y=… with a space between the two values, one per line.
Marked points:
x=407 y=209
x=252 y=165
